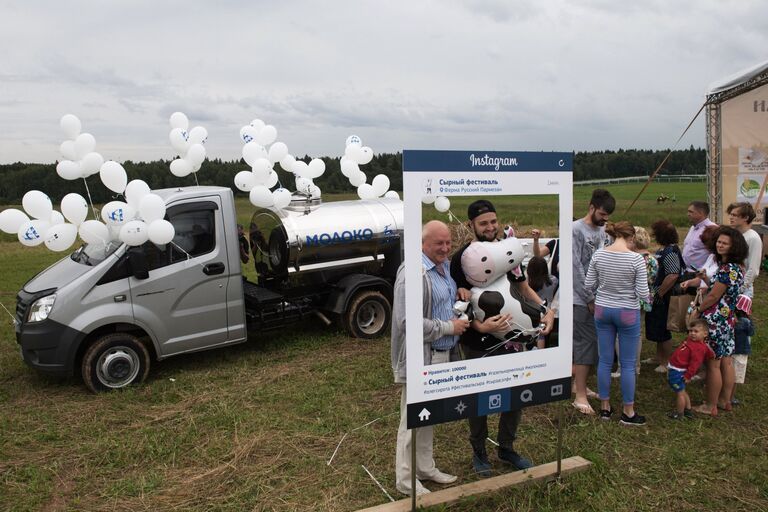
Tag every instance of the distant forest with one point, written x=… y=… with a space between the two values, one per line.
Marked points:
x=18 y=178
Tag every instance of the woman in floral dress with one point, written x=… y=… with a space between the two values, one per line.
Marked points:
x=718 y=308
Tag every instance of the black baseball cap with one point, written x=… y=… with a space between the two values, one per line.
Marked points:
x=479 y=207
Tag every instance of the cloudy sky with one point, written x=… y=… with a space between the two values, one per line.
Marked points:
x=475 y=74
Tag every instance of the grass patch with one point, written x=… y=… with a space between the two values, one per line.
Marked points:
x=252 y=427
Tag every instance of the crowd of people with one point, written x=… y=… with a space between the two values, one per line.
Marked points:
x=619 y=286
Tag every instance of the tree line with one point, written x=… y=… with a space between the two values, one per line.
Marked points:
x=18 y=178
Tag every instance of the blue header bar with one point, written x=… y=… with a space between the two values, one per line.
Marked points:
x=416 y=160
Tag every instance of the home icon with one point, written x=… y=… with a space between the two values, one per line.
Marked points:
x=424 y=414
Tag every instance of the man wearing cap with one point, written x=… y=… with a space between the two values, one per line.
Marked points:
x=441 y=330
x=474 y=343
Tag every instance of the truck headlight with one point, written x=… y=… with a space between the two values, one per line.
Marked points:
x=41 y=308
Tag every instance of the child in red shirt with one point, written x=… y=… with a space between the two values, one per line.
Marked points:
x=683 y=364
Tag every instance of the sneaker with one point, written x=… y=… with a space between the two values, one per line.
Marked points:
x=420 y=489
x=660 y=369
x=674 y=415
x=605 y=414
x=439 y=477
x=514 y=458
x=650 y=360
x=736 y=401
x=481 y=465
x=688 y=414
x=615 y=375
x=634 y=421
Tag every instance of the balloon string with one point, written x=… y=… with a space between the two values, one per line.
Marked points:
x=452 y=217
x=196 y=182
x=88 y=191
x=189 y=256
x=9 y=313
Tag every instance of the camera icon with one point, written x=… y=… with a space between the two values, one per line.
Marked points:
x=494 y=401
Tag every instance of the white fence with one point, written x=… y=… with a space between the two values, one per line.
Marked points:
x=642 y=179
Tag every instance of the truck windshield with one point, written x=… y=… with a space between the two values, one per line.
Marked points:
x=93 y=254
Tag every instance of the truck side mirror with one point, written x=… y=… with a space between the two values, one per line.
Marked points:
x=137 y=262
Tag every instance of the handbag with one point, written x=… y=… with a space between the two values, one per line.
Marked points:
x=697 y=300
x=678 y=311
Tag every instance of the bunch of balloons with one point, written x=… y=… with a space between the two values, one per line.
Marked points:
x=261 y=152
x=442 y=203
x=79 y=158
x=188 y=144
x=137 y=219
x=356 y=155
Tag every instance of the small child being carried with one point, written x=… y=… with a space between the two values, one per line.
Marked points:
x=683 y=364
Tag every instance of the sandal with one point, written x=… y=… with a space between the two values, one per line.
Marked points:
x=584 y=408
x=592 y=394
x=706 y=409
x=605 y=414
x=728 y=407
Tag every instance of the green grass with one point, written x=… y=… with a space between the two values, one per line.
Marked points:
x=252 y=427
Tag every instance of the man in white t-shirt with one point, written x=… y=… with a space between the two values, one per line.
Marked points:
x=741 y=216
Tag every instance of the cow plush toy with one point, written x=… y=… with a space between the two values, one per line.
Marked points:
x=485 y=265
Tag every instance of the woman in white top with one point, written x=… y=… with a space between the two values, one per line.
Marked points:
x=619 y=276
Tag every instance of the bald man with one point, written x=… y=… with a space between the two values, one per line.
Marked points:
x=441 y=330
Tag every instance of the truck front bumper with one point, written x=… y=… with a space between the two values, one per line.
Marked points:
x=49 y=347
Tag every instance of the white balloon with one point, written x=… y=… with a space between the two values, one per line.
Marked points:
x=353 y=153
x=179 y=120
x=94 y=232
x=261 y=169
x=245 y=181
x=442 y=204
x=316 y=168
x=37 y=205
x=71 y=126
x=357 y=179
x=195 y=154
x=258 y=124
x=380 y=184
x=277 y=152
x=304 y=185
x=134 y=232
x=287 y=163
x=198 y=135
x=117 y=213
x=348 y=167
x=91 y=163
x=60 y=237
x=365 y=191
x=32 y=232
x=355 y=140
x=134 y=191
x=181 y=167
x=271 y=180
x=67 y=150
x=152 y=207
x=252 y=151
x=315 y=192
x=69 y=170
x=11 y=220
x=267 y=135
x=56 y=218
x=392 y=194
x=113 y=176
x=365 y=154
x=281 y=198
x=196 y=166
x=179 y=141
x=161 y=232
x=114 y=232
x=427 y=199
x=248 y=133
x=84 y=144
x=261 y=196
x=300 y=168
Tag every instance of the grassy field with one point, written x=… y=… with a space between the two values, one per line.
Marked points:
x=252 y=427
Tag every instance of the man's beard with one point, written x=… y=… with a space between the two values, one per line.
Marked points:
x=482 y=237
x=597 y=221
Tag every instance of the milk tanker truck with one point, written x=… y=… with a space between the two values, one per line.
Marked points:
x=106 y=312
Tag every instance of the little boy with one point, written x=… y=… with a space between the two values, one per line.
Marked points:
x=683 y=364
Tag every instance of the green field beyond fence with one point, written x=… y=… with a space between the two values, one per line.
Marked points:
x=253 y=427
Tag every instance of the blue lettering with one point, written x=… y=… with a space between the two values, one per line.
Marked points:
x=312 y=240
x=325 y=238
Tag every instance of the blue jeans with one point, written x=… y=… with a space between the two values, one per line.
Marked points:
x=625 y=323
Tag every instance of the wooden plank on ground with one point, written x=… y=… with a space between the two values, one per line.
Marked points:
x=544 y=472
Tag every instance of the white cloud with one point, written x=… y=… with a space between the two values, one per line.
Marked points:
x=483 y=74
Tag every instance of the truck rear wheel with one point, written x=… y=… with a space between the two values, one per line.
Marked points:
x=368 y=315
x=115 y=361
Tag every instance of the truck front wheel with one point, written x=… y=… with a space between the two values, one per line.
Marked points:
x=115 y=361
x=368 y=314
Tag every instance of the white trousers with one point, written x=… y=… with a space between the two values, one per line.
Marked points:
x=425 y=463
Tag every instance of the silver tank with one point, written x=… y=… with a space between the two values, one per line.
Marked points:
x=310 y=237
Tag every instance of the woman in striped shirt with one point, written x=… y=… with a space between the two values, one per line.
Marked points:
x=619 y=276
